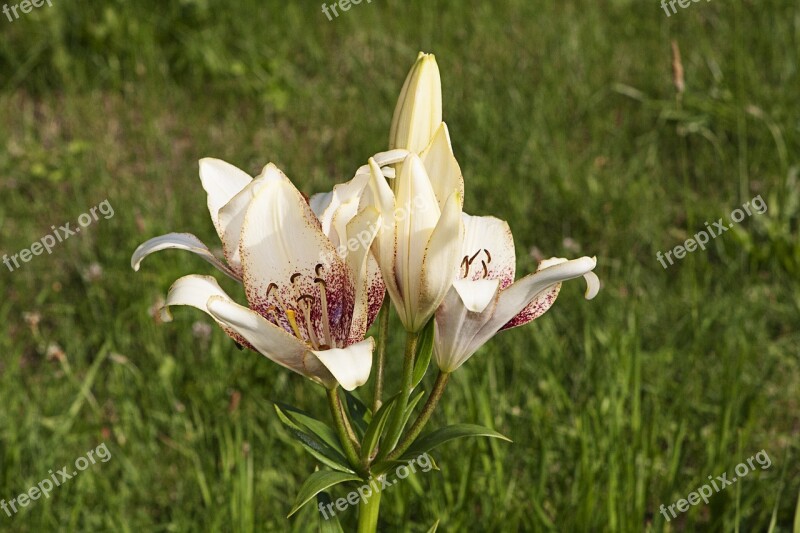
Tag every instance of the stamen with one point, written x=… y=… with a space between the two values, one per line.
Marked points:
x=465 y=264
x=488 y=255
x=294 y=276
x=308 y=301
x=471 y=259
x=318 y=268
x=326 y=327
x=271 y=286
x=291 y=315
x=485 y=270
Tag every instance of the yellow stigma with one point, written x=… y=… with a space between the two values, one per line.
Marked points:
x=292 y=316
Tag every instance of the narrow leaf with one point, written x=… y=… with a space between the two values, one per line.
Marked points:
x=358 y=412
x=316 y=483
x=440 y=436
x=327 y=524
x=375 y=429
x=311 y=425
x=320 y=450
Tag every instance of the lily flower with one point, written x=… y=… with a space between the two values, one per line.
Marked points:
x=420 y=235
x=309 y=308
x=485 y=299
x=418 y=113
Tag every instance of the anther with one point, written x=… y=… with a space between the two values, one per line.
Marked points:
x=294 y=276
x=488 y=255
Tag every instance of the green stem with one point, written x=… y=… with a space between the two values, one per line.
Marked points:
x=399 y=408
x=368 y=513
x=419 y=424
x=342 y=426
x=380 y=353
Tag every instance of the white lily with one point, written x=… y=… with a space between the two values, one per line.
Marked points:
x=485 y=299
x=401 y=215
x=419 y=238
x=418 y=113
x=309 y=308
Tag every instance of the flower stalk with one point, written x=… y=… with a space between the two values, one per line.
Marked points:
x=396 y=420
x=380 y=354
x=341 y=423
x=425 y=415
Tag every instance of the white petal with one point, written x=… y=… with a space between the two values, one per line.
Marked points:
x=179 y=241
x=489 y=244
x=270 y=340
x=476 y=295
x=282 y=244
x=417 y=214
x=343 y=194
x=350 y=366
x=592 y=285
x=380 y=196
x=442 y=167
x=195 y=291
x=441 y=260
x=419 y=108
x=319 y=202
x=458 y=332
x=364 y=227
x=231 y=216
x=222 y=181
x=518 y=296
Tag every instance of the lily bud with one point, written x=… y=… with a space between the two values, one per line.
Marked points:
x=418 y=113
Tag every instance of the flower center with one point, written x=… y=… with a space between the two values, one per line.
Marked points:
x=482 y=270
x=305 y=305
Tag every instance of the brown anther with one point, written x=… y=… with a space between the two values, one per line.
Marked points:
x=318 y=268
x=294 y=276
x=304 y=297
x=485 y=269
x=271 y=286
x=488 y=255
x=471 y=259
x=320 y=280
x=465 y=264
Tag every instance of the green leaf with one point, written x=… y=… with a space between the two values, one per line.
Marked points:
x=330 y=524
x=316 y=427
x=316 y=483
x=434 y=527
x=440 y=436
x=358 y=412
x=412 y=403
x=375 y=429
x=423 y=355
x=314 y=445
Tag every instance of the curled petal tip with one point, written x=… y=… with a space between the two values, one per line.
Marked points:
x=592 y=285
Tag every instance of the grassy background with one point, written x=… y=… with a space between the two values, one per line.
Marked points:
x=565 y=120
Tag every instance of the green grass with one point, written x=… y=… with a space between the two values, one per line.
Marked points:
x=566 y=123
